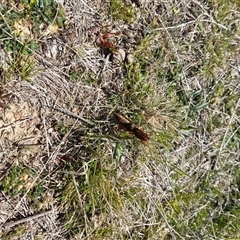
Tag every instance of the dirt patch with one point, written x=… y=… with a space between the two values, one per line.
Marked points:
x=19 y=124
x=19 y=129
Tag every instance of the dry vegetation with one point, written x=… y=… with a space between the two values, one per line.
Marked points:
x=172 y=67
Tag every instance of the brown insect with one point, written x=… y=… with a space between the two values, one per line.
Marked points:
x=127 y=125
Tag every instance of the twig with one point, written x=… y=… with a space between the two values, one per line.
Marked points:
x=14 y=123
x=87 y=121
x=173 y=27
x=14 y=223
x=187 y=23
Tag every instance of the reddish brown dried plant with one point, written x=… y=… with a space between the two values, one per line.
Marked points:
x=127 y=125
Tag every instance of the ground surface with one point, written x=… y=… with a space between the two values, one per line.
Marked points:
x=67 y=171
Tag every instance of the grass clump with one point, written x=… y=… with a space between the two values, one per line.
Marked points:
x=21 y=26
x=120 y=10
x=15 y=181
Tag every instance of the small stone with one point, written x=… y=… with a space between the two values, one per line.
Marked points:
x=120 y=55
x=50 y=130
x=129 y=58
